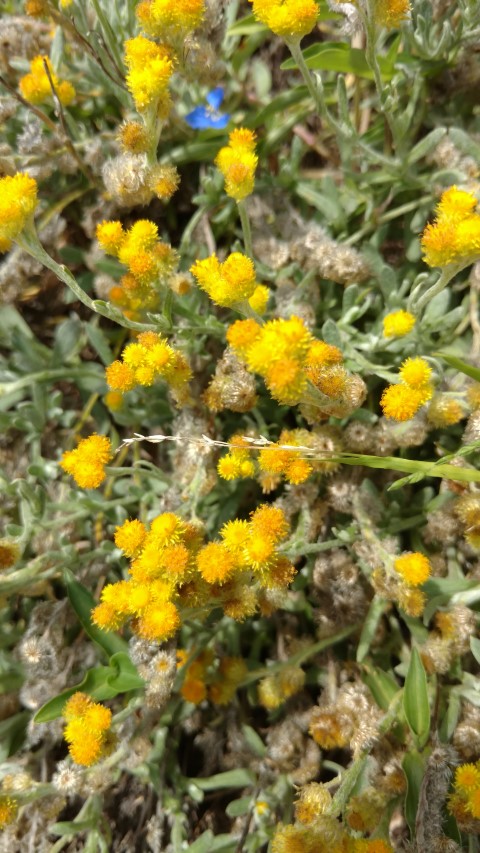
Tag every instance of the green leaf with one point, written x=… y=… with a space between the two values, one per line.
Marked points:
x=339 y=56
x=475 y=647
x=95 y=683
x=12 y=733
x=461 y=366
x=210 y=843
x=415 y=700
x=375 y=613
x=382 y=685
x=125 y=676
x=427 y=144
x=237 y=808
x=413 y=767
x=83 y=603
x=65 y=828
x=239 y=778
x=254 y=741
x=99 y=342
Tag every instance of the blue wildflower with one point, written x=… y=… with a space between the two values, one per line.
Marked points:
x=208 y=116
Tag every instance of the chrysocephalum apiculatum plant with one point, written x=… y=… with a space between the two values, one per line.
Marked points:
x=239 y=459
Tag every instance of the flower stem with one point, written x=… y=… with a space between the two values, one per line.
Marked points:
x=29 y=242
x=314 y=85
x=247 y=231
x=446 y=276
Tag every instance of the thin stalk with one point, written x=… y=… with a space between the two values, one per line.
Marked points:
x=29 y=242
x=314 y=86
x=247 y=231
x=446 y=276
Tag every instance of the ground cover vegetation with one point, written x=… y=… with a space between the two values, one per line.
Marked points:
x=240 y=413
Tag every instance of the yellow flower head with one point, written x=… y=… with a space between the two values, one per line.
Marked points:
x=216 y=563
x=242 y=334
x=133 y=137
x=149 y=70
x=18 y=200
x=35 y=86
x=227 y=283
x=167 y=20
x=467 y=777
x=159 y=622
x=163 y=180
x=456 y=204
x=8 y=810
x=87 y=730
x=414 y=568
x=398 y=323
x=237 y=162
x=290 y=19
x=415 y=372
x=110 y=236
x=400 y=402
x=87 y=462
x=390 y=13
x=130 y=536
x=314 y=800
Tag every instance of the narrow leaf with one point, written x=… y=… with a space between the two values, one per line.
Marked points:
x=415 y=699
x=413 y=767
x=95 y=684
x=375 y=613
x=461 y=366
x=382 y=685
x=230 y=779
x=83 y=603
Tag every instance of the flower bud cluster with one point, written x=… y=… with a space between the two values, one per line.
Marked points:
x=454 y=236
x=86 y=463
x=36 y=87
x=231 y=283
x=172 y=570
x=281 y=459
x=150 y=67
x=147 y=360
x=150 y=264
x=296 y=366
x=401 y=402
x=88 y=729
x=237 y=162
x=209 y=678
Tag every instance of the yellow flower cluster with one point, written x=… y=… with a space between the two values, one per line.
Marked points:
x=171 y=568
x=170 y=19
x=390 y=13
x=88 y=729
x=208 y=678
x=454 y=236
x=317 y=830
x=401 y=402
x=415 y=568
x=232 y=282
x=280 y=459
x=150 y=264
x=35 y=86
x=150 y=67
x=274 y=690
x=86 y=463
x=398 y=323
x=237 y=162
x=290 y=19
x=8 y=810
x=296 y=366
x=146 y=360
x=18 y=200
x=464 y=802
